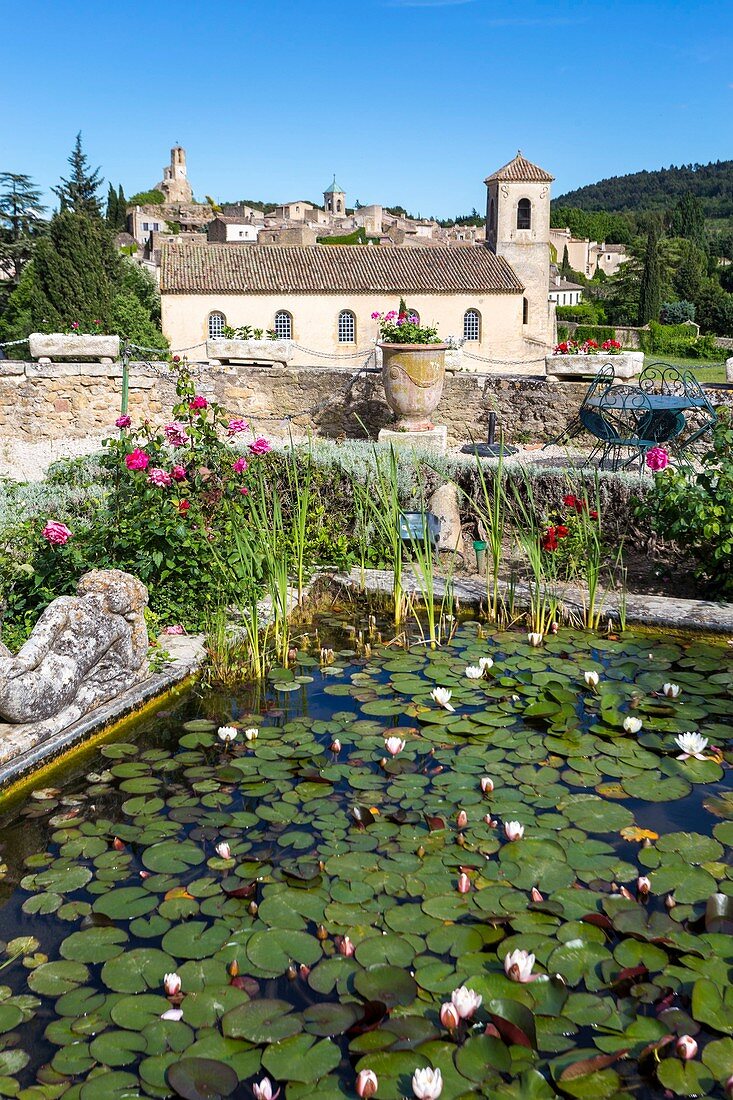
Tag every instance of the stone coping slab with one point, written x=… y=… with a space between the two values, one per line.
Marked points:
x=21 y=753
x=660 y=611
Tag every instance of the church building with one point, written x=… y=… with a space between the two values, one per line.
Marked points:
x=494 y=297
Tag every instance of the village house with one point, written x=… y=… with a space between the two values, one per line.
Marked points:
x=587 y=256
x=493 y=296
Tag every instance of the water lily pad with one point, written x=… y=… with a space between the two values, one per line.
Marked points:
x=301 y=1058
x=201 y=1079
x=388 y=984
x=261 y=1021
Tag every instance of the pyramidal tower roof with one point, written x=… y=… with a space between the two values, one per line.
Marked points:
x=333 y=188
x=520 y=170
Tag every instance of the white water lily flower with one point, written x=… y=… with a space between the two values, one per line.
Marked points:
x=671 y=690
x=172 y=1014
x=487 y=784
x=427 y=1084
x=474 y=672
x=264 y=1091
x=534 y=638
x=172 y=984
x=251 y=734
x=227 y=733
x=591 y=679
x=223 y=850
x=518 y=966
x=513 y=830
x=692 y=745
x=485 y=663
x=632 y=725
x=394 y=745
x=442 y=697
x=465 y=1001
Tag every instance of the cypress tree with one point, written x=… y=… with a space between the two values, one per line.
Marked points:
x=111 y=215
x=79 y=192
x=121 y=209
x=565 y=265
x=650 y=293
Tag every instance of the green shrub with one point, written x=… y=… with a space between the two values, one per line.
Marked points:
x=697 y=512
x=599 y=333
x=588 y=312
x=675 y=313
x=679 y=341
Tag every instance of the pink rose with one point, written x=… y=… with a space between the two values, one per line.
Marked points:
x=177 y=629
x=123 y=421
x=159 y=477
x=175 y=433
x=198 y=403
x=58 y=534
x=657 y=459
x=260 y=446
x=240 y=465
x=137 y=460
x=236 y=426
x=178 y=473
x=244 y=491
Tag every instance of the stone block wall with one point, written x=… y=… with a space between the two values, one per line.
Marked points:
x=47 y=412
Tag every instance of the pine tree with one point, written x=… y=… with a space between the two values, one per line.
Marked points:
x=121 y=209
x=650 y=292
x=79 y=192
x=21 y=224
x=111 y=216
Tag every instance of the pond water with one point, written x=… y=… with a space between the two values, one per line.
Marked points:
x=328 y=940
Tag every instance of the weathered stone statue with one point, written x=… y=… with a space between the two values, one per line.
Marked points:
x=84 y=651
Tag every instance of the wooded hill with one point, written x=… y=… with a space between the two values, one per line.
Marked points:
x=639 y=191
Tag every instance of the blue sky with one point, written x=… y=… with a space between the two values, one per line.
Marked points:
x=407 y=101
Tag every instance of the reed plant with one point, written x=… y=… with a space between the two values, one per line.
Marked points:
x=544 y=598
x=491 y=510
x=380 y=501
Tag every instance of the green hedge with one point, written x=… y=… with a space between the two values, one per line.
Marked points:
x=679 y=341
x=599 y=333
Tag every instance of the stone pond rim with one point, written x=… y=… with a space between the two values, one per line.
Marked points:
x=413 y=377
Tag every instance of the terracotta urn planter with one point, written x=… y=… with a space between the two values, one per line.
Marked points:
x=62 y=345
x=413 y=377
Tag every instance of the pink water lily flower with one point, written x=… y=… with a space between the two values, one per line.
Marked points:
x=394 y=745
x=513 y=830
x=449 y=1015
x=172 y=985
x=465 y=1001
x=518 y=966
x=367 y=1083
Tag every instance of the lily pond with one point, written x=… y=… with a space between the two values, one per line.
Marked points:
x=366 y=882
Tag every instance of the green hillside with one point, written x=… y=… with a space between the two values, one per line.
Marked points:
x=640 y=191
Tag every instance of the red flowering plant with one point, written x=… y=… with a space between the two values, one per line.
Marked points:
x=587 y=347
x=566 y=535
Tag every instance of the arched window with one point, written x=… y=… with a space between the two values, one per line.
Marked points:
x=525 y=311
x=283 y=325
x=217 y=322
x=472 y=325
x=347 y=327
x=524 y=214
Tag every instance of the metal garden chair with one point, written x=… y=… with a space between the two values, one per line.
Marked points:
x=626 y=412
x=605 y=377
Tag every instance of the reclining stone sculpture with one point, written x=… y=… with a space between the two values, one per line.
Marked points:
x=83 y=651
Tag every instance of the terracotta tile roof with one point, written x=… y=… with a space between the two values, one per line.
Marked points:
x=521 y=170
x=313 y=269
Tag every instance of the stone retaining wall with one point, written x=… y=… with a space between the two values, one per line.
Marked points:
x=67 y=408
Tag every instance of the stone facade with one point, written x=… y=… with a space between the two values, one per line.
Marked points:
x=66 y=409
x=175 y=185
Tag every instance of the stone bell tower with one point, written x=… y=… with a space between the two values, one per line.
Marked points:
x=518 y=228
x=175 y=185
x=334 y=200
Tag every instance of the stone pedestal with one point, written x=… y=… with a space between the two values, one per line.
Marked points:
x=435 y=439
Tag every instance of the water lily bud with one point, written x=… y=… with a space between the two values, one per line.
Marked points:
x=144 y=874
x=345 y=946
x=462 y=819
x=686 y=1047
x=591 y=679
x=513 y=830
x=304 y=971
x=671 y=690
x=251 y=734
x=646 y=842
x=292 y=654
x=729 y=1086
x=534 y=638
x=292 y=973
x=554 y=627
x=490 y=821
x=535 y=894
x=626 y=894
x=172 y=985
x=449 y=1016
x=464 y=883
x=118 y=845
x=643 y=885
x=420 y=852
x=335 y=745
x=321 y=933
x=263 y=1090
x=461 y=840
x=487 y=784
x=321 y=865
x=669 y=901
x=223 y=850
x=367 y=1083
x=253 y=909
x=233 y=968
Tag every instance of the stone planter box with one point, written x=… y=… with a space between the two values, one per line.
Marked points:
x=222 y=350
x=60 y=345
x=627 y=365
x=729 y=370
